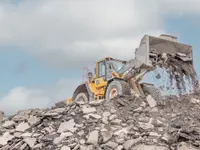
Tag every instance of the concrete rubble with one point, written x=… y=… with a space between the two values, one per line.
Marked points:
x=179 y=68
x=125 y=123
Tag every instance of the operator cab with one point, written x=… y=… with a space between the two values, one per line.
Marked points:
x=105 y=67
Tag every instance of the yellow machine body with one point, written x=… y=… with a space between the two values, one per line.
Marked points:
x=97 y=86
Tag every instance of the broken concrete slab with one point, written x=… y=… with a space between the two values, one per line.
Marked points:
x=67 y=126
x=96 y=103
x=106 y=135
x=54 y=112
x=30 y=141
x=145 y=126
x=33 y=120
x=149 y=147
x=195 y=101
x=111 y=144
x=185 y=146
x=95 y=116
x=129 y=143
x=93 y=137
x=152 y=103
x=65 y=148
x=61 y=137
x=8 y=124
x=87 y=110
x=5 y=138
x=22 y=127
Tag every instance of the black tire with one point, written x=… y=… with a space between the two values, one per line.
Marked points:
x=153 y=91
x=81 y=98
x=120 y=86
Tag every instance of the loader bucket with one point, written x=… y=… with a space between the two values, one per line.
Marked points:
x=152 y=46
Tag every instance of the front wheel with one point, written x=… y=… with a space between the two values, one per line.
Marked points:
x=117 y=87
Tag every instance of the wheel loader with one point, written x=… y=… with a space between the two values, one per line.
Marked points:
x=115 y=77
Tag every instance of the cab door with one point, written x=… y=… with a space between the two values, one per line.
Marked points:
x=101 y=82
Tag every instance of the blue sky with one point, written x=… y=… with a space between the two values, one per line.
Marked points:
x=19 y=68
x=188 y=30
x=45 y=44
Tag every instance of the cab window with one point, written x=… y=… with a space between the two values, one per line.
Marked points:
x=102 y=69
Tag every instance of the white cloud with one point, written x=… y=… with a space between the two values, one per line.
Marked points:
x=73 y=32
x=76 y=32
x=180 y=7
x=21 y=98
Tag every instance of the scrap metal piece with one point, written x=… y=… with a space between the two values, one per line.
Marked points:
x=185 y=59
x=181 y=54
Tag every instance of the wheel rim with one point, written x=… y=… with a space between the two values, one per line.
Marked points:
x=81 y=99
x=113 y=93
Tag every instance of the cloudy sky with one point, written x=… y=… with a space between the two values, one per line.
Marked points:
x=44 y=44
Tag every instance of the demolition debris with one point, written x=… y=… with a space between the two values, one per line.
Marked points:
x=179 y=68
x=124 y=123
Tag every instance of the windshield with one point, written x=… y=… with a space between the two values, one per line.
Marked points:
x=115 y=65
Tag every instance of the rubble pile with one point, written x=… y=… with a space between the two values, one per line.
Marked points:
x=124 y=123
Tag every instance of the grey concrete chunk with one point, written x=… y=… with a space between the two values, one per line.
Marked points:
x=106 y=135
x=112 y=117
x=8 y=124
x=166 y=137
x=106 y=114
x=55 y=112
x=149 y=147
x=65 y=148
x=111 y=144
x=154 y=134
x=26 y=134
x=185 y=146
x=33 y=120
x=22 y=115
x=61 y=137
x=96 y=103
x=38 y=146
x=195 y=101
x=22 y=127
x=87 y=110
x=128 y=144
x=116 y=121
x=92 y=116
x=67 y=126
x=93 y=137
x=17 y=134
x=120 y=138
x=5 y=138
x=152 y=103
x=120 y=147
x=30 y=141
x=146 y=126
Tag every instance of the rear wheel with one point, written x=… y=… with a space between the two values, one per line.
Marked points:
x=117 y=87
x=82 y=98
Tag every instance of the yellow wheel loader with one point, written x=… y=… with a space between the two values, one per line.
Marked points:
x=115 y=77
